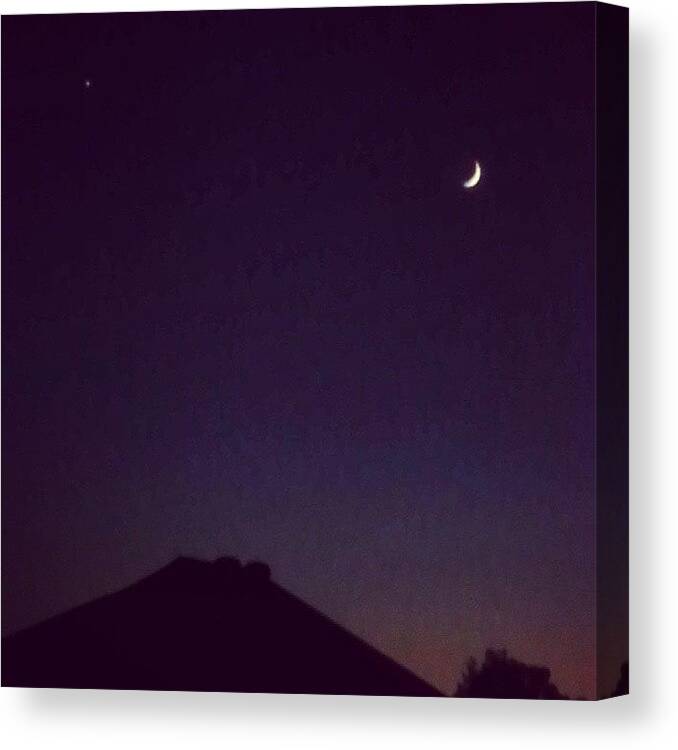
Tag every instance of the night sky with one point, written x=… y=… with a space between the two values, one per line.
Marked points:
x=249 y=309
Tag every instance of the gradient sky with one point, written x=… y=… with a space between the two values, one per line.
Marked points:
x=250 y=310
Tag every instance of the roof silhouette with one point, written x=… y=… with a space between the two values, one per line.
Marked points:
x=206 y=626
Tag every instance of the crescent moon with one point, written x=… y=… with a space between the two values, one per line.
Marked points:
x=474 y=179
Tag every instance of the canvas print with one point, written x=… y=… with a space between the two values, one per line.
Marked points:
x=315 y=339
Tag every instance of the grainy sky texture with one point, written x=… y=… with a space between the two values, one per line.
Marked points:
x=249 y=309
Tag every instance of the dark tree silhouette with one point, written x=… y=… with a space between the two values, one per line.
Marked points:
x=500 y=676
x=622 y=687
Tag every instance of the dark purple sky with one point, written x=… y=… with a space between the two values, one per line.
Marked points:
x=250 y=310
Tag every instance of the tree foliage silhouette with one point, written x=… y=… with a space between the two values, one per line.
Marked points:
x=622 y=687
x=501 y=676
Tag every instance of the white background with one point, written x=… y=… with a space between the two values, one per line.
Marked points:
x=649 y=717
